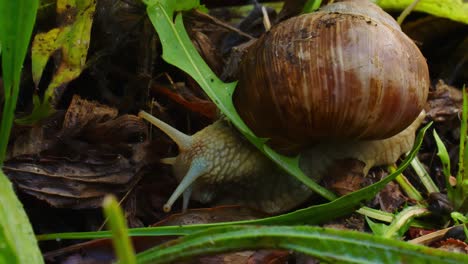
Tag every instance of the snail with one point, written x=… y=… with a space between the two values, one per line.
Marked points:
x=343 y=82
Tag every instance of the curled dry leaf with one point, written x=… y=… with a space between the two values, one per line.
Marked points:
x=345 y=176
x=444 y=103
x=76 y=166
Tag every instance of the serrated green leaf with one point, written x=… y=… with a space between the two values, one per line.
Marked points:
x=17 y=241
x=378 y=229
x=311 y=6
x=456 y=10
x=72 y=40
x=329 y=245
x=179 y=51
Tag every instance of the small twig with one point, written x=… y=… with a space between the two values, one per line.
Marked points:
x=223 y=25
x=406 y=12
x=431 y=237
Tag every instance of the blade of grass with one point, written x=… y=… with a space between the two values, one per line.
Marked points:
x=16 y=24
x=326 y=244
x=424 y=176
x=116 y=222
x=312 y=215
x=17 y=241
x=443 y=155
x=462 y=174
x=406 y=185
x=311 y=5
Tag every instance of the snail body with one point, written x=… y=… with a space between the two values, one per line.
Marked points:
x=357 y=97
x=217 y=165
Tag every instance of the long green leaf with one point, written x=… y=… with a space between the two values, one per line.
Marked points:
x=16 y=24
x=17 y=241
x=117 y=224
x=456 y=10
x=179 y=51
x=312 y=215
x=328 y=244
x=443 y=155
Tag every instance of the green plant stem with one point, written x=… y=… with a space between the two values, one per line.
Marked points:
x=424 y=176
x=406 y=185
x=406 y=12
x=120 y=239
x=7 y=121
x=408 y=188
x=388 y=217
x=376 y=214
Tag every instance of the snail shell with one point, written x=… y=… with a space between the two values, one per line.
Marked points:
x=345 y=72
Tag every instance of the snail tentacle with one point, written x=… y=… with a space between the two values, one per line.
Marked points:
x=197 y=169
x=182 y=140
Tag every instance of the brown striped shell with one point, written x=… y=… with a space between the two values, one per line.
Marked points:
x=345 y=72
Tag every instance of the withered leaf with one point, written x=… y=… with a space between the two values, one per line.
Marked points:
x=69 y=42
x=76 y=167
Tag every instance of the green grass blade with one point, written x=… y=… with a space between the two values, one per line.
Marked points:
x=424 y=176
x=456 y=10
x=179 y=51
x=443 y=155
x=328 y=244
x=462 y=174
x=17 y=241
x=116 y=222
x=16 y=24
x=312 y=215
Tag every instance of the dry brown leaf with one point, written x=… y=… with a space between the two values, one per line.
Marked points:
x=93 y=154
